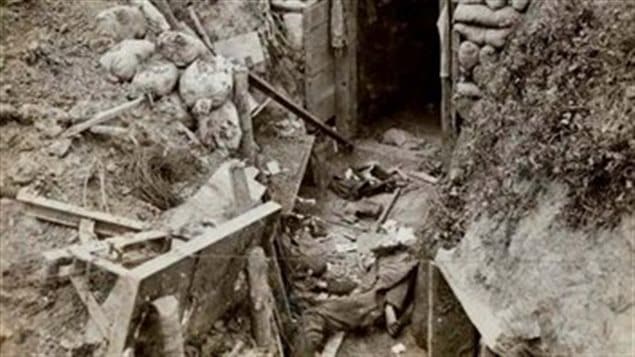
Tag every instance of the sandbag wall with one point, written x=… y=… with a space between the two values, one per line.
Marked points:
x=481 y=28
x=151 y=58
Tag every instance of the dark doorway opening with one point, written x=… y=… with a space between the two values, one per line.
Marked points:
x=398 y=64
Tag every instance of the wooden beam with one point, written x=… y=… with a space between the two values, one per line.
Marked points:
x=242 y=197
x=195 y=245
x=248 y=147
x=345 y=116
x=121 y=302
x=103 y=117
x=303 y=114
x=200 y=29
x=95 y=311
x=71 y=215
x=87 y=257
x=86 y=230
x=261 y=299
x=450 y=331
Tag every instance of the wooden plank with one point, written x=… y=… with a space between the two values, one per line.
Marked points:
x=345 y=118
x=212 y=236
x=450 y=331
x=95 y=311
x=105 y=264
x=319 y=91
x=421 y=307
x=241 y=47
x=308 y=117
x=490 y=326
x=102 y=117
x=353 y=28
x=71 y=215
x=86 y=230
x=316 y=14
x=121 y=305
x=318 y=60
x=242 y=198
x=248 y=147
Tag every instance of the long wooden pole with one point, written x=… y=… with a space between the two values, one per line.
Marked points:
x=263 y=86
x=269 y=90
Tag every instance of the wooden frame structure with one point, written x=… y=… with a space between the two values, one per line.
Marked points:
x=200 y=273
x=331 y=77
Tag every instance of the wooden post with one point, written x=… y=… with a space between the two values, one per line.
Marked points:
x=345 y=119
x=242 y=197
x=420 y=312
x=248 y=147
x=261 y=298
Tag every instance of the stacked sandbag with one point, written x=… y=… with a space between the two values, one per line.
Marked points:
x=484 y=27
x=180 y=48
x=156 y=78
x=121 y=22
x=167 y=57
x=219 y=128
x=123 y=60
x=206 y=87
x=155 y=19
x=207 y=78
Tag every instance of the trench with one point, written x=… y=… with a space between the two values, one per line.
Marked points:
x=398 y=64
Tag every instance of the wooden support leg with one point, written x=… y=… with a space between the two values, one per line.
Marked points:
x=120 y=306
x=261 y=298
x=242 y=197
x=248 y=147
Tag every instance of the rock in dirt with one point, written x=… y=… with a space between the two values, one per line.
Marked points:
x=155 y=19
x=157 y=78
x=121 y=22
x=220 y=129
x=209 y=78
x=468 y=55
x=10 y=113
x=60 y=147
x=23 y=172
x=630 y=92
x=123 y=60
x=180 y=48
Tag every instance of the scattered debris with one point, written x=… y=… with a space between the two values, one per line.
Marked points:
x=398 y=349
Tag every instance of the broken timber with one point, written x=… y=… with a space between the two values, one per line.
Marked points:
x=261 y=298
x=71 y=215
x=102 y=117
x=212 y=274
x=303 y=114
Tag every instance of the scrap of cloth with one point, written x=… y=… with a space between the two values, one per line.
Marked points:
x=362 y=310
